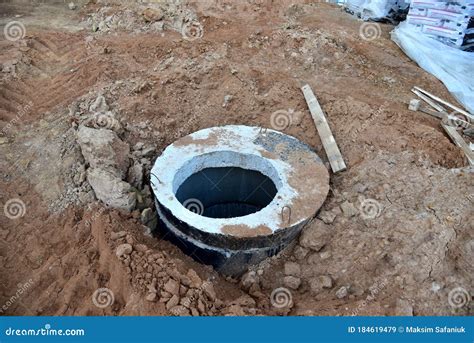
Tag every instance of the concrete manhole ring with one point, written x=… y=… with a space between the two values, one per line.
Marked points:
x=231 y=196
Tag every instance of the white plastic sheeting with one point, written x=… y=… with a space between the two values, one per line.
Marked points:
x=454 y=67
x=374 y=9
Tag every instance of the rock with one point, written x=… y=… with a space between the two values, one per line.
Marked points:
x=123 y=249
x=248 y=279
x=292 y=268
x=342 y=292
x=99 y=105
x=111 y=190
x=141 y=247
x=174 y=300
x=327 y=216
x=152 y=14
x=317 y=284
x=116 y=235
x=348 y=209
x=360 y=187
x=208 y=289
x=72 y=6
x=151 y=297
x=186 y=302
x=325 y=255
x=244 y=300
x=201 y=307
x=403 y=308
x=138 y=146
x=227 y=100
x=315 y=236
x=102 y=149
x=300 y=253
x=326 y=281
x=194 y=278
x=149 y=218
x=172 y=287
x=292 y=282
x=135 y=175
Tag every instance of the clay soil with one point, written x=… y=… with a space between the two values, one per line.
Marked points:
x=251 y=61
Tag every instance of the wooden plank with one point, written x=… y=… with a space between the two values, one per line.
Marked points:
x=444 y=102
x=329 y=143
x=459 y=141
x=430 y=102
x=439 y=115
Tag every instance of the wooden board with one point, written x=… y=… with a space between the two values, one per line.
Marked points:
x=430 y=102
x=444 y=102
x=329 y=143
x=459 y=141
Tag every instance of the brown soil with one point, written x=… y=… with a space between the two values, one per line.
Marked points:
x=163 y=87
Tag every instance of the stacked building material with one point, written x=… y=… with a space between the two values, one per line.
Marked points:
x=451 y=22
x=391 y=10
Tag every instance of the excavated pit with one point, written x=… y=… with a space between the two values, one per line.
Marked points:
x=232 y=196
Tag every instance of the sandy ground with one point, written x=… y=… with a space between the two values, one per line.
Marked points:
x=394 y=236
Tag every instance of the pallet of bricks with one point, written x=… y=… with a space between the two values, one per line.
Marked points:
x=451 y=22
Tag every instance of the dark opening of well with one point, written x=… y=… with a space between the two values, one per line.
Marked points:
x=227 y=192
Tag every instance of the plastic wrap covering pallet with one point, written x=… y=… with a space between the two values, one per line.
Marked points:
x=376 y=9
x=454 y=67
x=450 y=22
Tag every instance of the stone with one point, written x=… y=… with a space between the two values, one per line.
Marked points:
x=326 y=281
x=349 y=209
x=151 y=297
x=152 y=14
x=123 y=249
x=292 y=282
x=227 y=99
x=292 y=268
x=360 y=187
x=117 y=235
x=148 y=217
x=315 y=236
x=172 y=287
x=244 y=300
x=111 y=190
x=317 y=284
x=99 y=105
x=208 y=289
x=174 y=300
x=72 y=6
x=194 y=278
x=325 y=255
x=403 y=308
x=103 y=149
x=186 y=302
x=300 y=253
x=135 y=175
x=327 y=216
x=342 y=292
x=248 y=279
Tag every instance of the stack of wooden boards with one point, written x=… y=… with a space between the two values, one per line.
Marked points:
x=456 y=119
